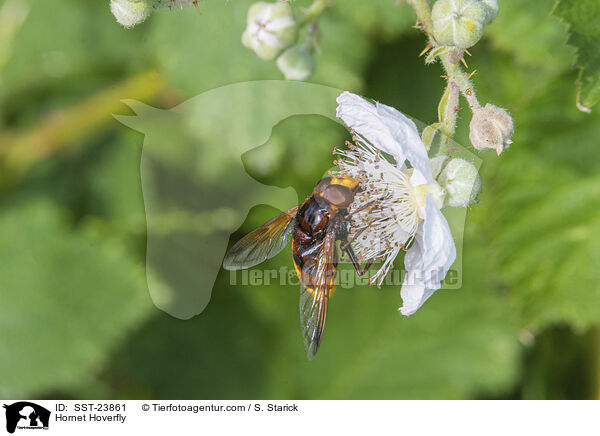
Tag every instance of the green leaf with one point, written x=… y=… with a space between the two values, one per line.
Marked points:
x=583 y=18
x=67 y=301
x=433 y=54
x=524 y=31
x=115 y=191
x=555 y=277
x=429 y=133
x=539 y=214
x=87 y=41
x=458 y=345
x=371 y=351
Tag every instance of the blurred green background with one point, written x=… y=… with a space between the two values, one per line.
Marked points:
x=76 y=319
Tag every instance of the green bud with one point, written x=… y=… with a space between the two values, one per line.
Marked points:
x=461 y=181
x=296 y=63
x=130 y=12
x=271 y=28
x=458 y=23
x=492 y=9
x=436 y=163
x=491 y=127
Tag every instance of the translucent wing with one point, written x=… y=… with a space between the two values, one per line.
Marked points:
x=261 y=244
x=318 y=285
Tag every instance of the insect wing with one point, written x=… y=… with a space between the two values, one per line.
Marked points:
x=262 y=243
x=314 y=302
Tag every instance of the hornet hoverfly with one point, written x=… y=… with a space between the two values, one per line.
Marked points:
x=314 y=227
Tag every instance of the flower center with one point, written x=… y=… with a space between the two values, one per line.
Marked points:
x=420 y=195
x=387 y=211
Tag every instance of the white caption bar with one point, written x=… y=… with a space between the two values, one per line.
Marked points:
x=300 y=417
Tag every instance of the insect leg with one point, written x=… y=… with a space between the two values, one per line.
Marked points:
x=348 y=249
x=366 y=205
x=349 y=241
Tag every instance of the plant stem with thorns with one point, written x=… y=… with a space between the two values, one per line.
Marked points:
x=458 y=80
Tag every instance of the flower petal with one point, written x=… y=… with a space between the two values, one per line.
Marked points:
x=417 y=178
x=387 y=129
x=363 y=117
x=280 y=24
x=427 y=262
x=404 y=130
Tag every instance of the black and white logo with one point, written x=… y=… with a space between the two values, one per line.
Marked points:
x=26 y=415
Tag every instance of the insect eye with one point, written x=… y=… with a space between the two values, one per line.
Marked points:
x=338 y=195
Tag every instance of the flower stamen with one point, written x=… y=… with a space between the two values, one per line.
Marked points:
x=384 y=215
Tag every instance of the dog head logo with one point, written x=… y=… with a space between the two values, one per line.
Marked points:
x=196 y=189
x=26 y=415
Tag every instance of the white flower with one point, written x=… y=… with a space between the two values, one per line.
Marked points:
x=398 y=206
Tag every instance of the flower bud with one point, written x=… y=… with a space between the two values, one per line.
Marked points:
x=271 y=29
x=492 y=9
x=296 y=63
x=130 y=12
x=458 y=23
x=436 y=163
x=491 y=127
x=461 y=181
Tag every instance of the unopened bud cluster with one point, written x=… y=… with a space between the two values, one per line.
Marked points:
x=460 y=23
x=272 y=32
x=491 y=128
x=271 y=28
x=128 y=13
x=296 y=63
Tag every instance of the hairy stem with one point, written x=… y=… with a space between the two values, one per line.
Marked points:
x=423 y=12
x=447 y=113
x=458 y=80
x=310 y=41
x=314 y=11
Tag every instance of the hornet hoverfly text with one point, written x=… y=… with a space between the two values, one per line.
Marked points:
x=314 y=227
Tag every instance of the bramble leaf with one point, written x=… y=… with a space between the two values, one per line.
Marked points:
x=583 y=18
x=523 y=30
x=539 y=218
x=67 y=300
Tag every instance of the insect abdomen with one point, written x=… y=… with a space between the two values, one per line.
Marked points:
x=312 y=224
